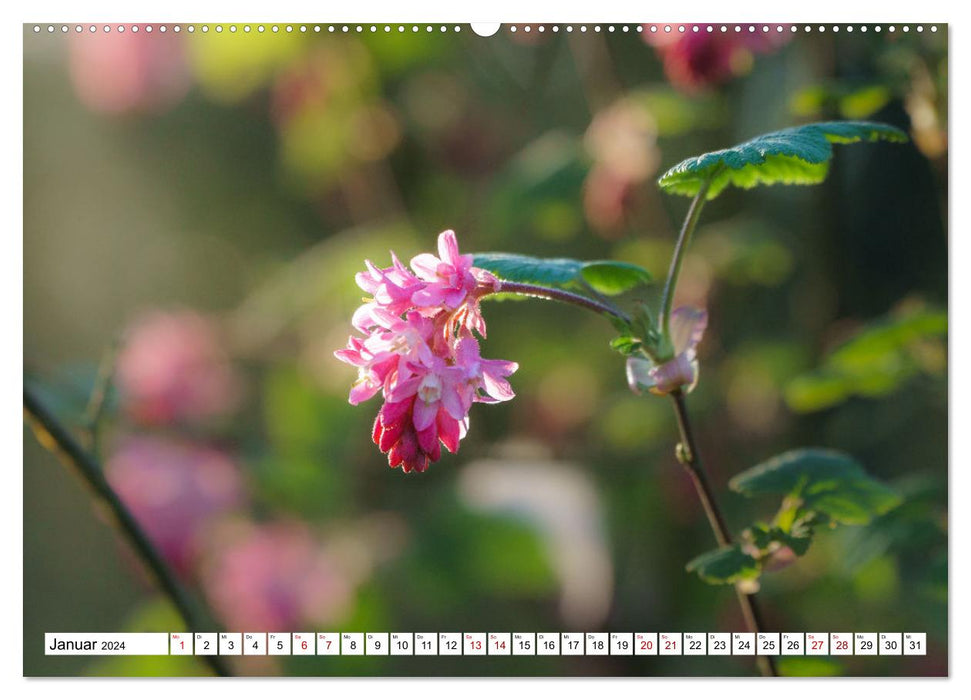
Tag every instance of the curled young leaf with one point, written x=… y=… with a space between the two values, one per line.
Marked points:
x=796 y=156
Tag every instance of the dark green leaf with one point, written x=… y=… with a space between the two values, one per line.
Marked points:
x=725 y=565
x=789 y=471
x=798 y=544
x=825 y=481
x=795 y=156
x=852 y=502
x=556 y=272
x=604 y=276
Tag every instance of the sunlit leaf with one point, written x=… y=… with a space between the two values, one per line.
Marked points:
x=604 y=276
x=610 y=277
x=795 y=156
x=725 y=565
x=626 y=345
x=556 y=272
x=850 y=101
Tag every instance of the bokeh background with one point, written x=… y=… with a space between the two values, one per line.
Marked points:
x=195 y=207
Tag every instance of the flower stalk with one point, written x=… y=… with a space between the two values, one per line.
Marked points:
x=677 y=260
x=533 y=290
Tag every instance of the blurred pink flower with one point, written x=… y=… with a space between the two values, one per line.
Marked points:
x=172 y=368
x=622 y=141
x=687 y=326
x=694 y=60
x=119 y=73
x=274 y=577
x=608 y=199
x=426 y=364
x=174 y=490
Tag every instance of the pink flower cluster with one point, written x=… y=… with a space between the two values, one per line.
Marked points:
x=695 y=60
x=421 y=354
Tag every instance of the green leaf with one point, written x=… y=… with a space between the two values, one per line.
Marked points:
x=876 y=361
x=556 y=272
x=604 y=276
x=626 y=345
x=799 y=544
x=609 y=277
x=788 y=472
x=852 y=502
x=724 y=565
x=825 y=481
x=795 y=156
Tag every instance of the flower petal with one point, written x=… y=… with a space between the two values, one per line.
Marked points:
x=425 y=266
x=452 y=402
x=448 y=431
x=430 y=296
x=673 y=375
x=424 y=413
x=639 y=376
x=687 y=326
x=428 y=438
x=448 y=247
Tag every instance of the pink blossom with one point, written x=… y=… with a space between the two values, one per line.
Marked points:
x=687 y=325
x=174 y=490
x=172 y=368
x=421 y=355
x=120 y=73
x=392 y=289
x=275 y=578
x=451 y=279
x=430 y=404
x=694 y=60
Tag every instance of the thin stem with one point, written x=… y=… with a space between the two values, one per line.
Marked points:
x=688 y=456
x=684 y=238
x=55 y=437
x=534 y=290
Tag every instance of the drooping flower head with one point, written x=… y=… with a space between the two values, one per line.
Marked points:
x=687 y=325
x=421 y=354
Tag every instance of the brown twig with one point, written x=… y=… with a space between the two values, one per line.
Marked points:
x=688 y=456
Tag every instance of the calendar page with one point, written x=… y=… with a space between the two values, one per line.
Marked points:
x=365 y=349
